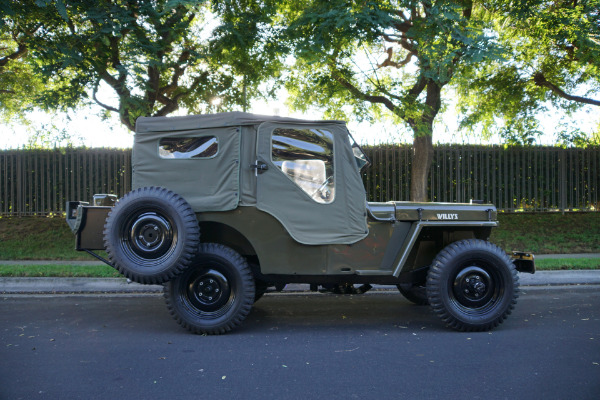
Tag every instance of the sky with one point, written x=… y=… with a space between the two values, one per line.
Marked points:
x=86 y=128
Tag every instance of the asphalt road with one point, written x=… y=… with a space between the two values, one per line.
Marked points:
x=298 y=346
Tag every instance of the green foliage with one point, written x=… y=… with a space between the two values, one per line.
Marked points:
x=154 y=57
x=410 y=49
x=247 y=41
x=552 y=53
x=568 y=137
x=20 y=87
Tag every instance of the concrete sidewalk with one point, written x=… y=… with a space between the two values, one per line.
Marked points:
x=96 y=262
x=120 y=285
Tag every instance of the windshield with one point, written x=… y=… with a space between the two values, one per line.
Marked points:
x=359 y=155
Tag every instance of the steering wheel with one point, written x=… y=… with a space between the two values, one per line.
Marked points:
x=320 y=189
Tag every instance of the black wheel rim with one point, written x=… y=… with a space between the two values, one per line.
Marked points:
x=477 y=288
x=208 y=292
x=148 y=235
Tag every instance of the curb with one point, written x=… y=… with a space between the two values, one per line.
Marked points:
x=120 y=285
x=96 y=262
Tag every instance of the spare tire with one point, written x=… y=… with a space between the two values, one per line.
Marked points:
x=151 y=235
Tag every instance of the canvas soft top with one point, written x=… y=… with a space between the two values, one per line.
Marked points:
x=190 y=122
x=226 y=180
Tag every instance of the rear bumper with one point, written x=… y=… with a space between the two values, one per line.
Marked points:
x=87 y=222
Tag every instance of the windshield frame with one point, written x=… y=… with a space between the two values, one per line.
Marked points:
x=366 y=162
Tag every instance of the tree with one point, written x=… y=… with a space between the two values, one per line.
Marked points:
x=19 y=85
x=552 y=59
x=154 y=57
x=248 y=41
x=413 y=50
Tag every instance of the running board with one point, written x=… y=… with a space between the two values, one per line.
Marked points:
x=373 y=272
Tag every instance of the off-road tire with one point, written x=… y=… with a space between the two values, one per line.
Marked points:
x=472 y=285
x=215 y=294
x=417 y=294
x=151 y=235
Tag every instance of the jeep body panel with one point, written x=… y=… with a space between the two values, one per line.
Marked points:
x=229 y=168
x=390 y=248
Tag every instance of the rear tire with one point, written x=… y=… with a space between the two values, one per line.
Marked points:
x=261 y=288
x=151 y=235
x=215 y=294
x=472 y=285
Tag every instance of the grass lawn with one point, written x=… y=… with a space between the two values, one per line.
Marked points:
x=549 y=233
x=567 y=264
x=38 y=238
x=101 y=271
x=104 y=271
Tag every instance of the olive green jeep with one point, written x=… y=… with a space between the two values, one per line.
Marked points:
x=228 y=206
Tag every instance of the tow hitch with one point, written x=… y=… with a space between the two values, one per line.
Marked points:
x=524 y=262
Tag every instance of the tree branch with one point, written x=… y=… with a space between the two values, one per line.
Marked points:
x=411 y=97
x=389 y=63
x=124 y=95
x=20 y=52
x=179 y=70
x=109 y=108
x=540 y=80
x=361 y=95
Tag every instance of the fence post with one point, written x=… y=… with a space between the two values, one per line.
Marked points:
x=563 y=181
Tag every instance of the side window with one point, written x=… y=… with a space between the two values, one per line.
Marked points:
x=306 y=157
x=188 y=147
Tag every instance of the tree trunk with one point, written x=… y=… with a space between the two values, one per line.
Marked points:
x=423 y=143
x=421 y=163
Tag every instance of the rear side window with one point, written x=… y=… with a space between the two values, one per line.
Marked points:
x=306 y=157
x=188 y=147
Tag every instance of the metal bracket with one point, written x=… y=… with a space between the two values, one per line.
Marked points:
x=105 y=261
x=259 y=167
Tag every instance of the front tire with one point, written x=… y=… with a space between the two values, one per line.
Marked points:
x=472 y=285
x=215 y=294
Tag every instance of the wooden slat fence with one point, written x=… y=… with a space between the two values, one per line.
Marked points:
x=39 y=182
x=512 y=178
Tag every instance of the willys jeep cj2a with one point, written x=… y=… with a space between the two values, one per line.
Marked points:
x=226 y=206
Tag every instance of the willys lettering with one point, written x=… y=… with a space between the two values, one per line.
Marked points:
x=447 y=216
